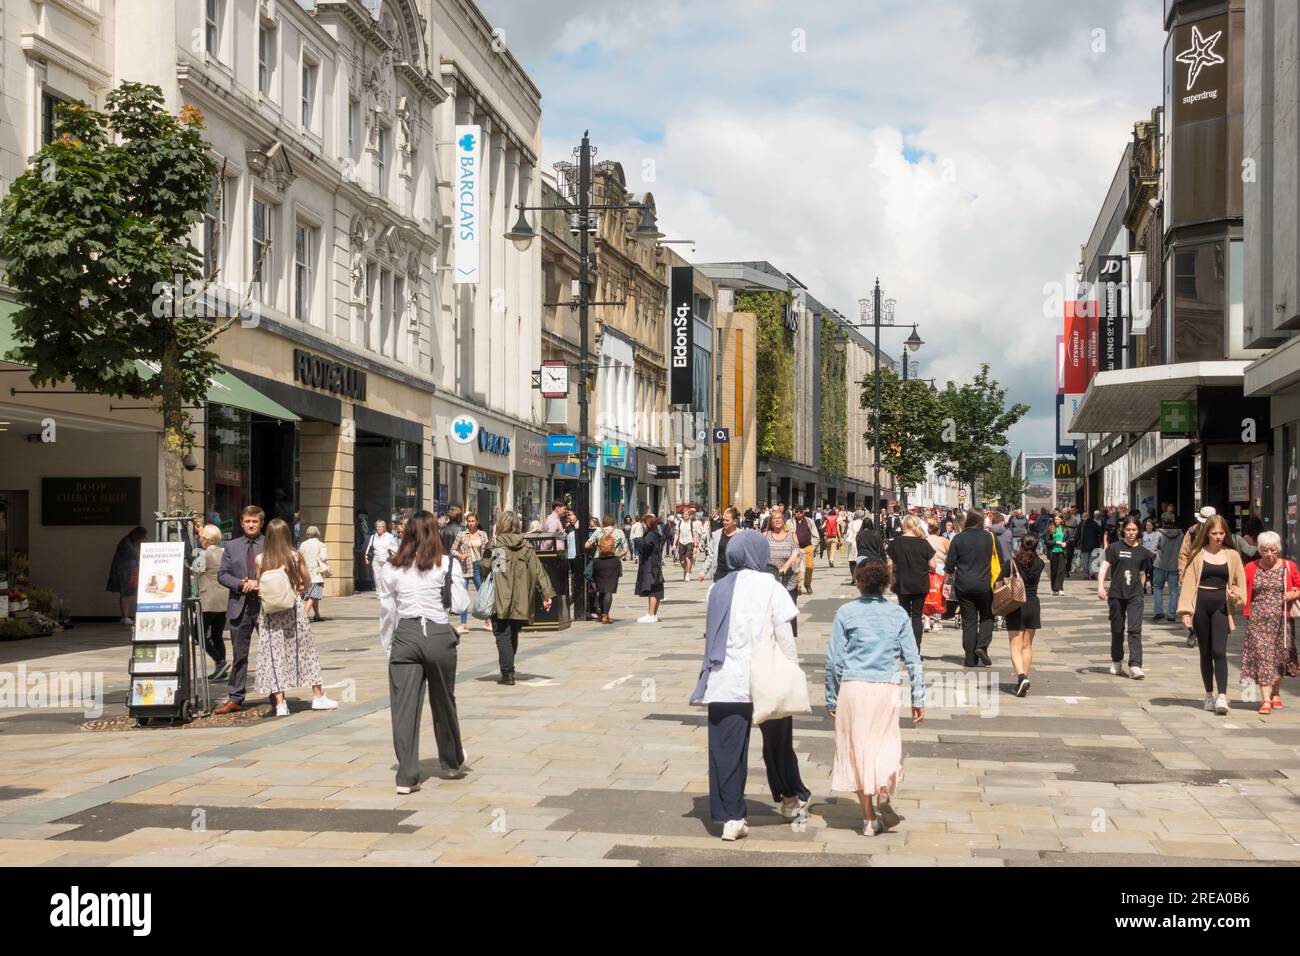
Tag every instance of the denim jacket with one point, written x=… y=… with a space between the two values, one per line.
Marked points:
x=867 y=639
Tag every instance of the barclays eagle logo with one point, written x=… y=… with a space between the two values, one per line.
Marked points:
x=466 y=143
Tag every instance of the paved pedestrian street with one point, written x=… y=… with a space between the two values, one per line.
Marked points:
x=595 y=758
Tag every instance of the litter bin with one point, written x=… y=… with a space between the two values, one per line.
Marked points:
x=552 y=554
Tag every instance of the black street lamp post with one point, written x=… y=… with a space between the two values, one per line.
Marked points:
x=522 y=235
x=881 y=316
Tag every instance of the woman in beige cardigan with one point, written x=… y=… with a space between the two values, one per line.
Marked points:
x=1213 y=583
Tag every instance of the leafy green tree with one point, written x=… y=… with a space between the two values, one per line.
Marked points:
x=975 y=424
x=96 y=234
x=1002 y=482
x=909 y=426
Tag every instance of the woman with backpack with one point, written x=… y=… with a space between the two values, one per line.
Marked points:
x=286 y=653
x=419 y=590
x=610 y=546
x=517 y=575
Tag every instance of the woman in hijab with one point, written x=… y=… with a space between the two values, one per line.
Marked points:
x=742 y=606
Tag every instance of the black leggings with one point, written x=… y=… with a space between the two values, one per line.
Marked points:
x=606 y=602
x=914 y=605
x=794 y=622
x=1210 y=625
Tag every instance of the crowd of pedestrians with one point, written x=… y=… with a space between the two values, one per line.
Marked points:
x=978 y=570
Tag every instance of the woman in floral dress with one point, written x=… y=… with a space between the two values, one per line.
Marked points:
x=286 y=653
x=1270 y=652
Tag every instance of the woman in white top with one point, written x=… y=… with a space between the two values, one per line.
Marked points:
x=741 y=607
x=418 y=589
x=316 y=555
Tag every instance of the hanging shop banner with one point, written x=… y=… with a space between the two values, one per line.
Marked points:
x=1110 y=283
x=467 y=218
x=1076 y=347
x=1139 y=294
x=681 y=330
x=1060 y=365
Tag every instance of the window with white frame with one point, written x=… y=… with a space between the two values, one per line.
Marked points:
x=215 y=218
x=304 y=251
x=310 y=70
x=213 y=10
x=263 y=249
x=385 y=312
x=48 y=102
x=381 y=162
x=265 y=57
x=354 y=126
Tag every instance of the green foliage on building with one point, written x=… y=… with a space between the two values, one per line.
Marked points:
x=774 y=367
x=833 y=438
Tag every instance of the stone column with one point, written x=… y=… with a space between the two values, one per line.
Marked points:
x=325 y=489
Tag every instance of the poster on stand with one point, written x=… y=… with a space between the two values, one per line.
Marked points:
x=155 y=626
x=155 y=659
x=154 y=692
x=161 y=585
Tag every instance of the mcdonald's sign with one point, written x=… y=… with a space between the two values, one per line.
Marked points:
x=1065 y=468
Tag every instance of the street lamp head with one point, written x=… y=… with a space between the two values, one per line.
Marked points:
x=914 y=341
x=648 y=229
x=864 y=309
x=933 y=390
x=522 y=235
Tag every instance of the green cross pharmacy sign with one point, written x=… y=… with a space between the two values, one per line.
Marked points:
x=1177 y=418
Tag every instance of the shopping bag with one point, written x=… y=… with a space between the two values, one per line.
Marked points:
x=777 y=685
x=934 y=601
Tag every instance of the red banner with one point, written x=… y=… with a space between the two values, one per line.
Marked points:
x=1080 y=346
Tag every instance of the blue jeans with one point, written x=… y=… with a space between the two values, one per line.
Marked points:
x=1158 y=579
x=478 y=583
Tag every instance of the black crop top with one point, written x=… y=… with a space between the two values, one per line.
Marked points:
x=1214 y=577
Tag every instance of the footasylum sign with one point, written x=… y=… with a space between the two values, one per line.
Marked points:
x=681 y=326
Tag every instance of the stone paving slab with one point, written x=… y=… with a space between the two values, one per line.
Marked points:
x=595 y=758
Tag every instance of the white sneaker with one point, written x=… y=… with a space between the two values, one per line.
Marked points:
x=791 y=811
x=1136 y=673
x=870 y=827
x=323 y=703
x=282 y=710
x=1115 y=669
x=645 y=619
x=735 y=830
x=403 y=791
x=129 y=621
x=1221 y=705
x=1209 y=703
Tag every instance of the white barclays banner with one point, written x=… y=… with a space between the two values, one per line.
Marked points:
x=469 y=222
x=1068 y=410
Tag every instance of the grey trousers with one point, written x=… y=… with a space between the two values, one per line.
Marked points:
x=423 y=653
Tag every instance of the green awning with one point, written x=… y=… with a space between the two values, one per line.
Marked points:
x=226 y=389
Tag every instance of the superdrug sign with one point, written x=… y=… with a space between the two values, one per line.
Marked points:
x=681 y=325
x=329 y=375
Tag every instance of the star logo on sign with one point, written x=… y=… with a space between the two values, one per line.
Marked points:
x=464 y=427
x=1199 y=55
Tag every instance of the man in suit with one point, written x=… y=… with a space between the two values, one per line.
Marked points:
x=238 y=574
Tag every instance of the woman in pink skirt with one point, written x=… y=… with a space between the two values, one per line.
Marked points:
x=862 y=691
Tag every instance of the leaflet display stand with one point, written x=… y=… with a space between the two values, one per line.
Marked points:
x=167 y=677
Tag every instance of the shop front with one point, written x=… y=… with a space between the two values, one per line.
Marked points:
x=529 y=478
x=618 y=481
x=354 y=455
x=478 y=451
x=651 y=490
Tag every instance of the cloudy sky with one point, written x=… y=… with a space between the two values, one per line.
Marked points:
x=958 y=149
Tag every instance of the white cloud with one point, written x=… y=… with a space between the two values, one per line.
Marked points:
x=798 y=158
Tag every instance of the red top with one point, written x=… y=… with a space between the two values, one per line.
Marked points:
x=832 y=524
x=1292 y=580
